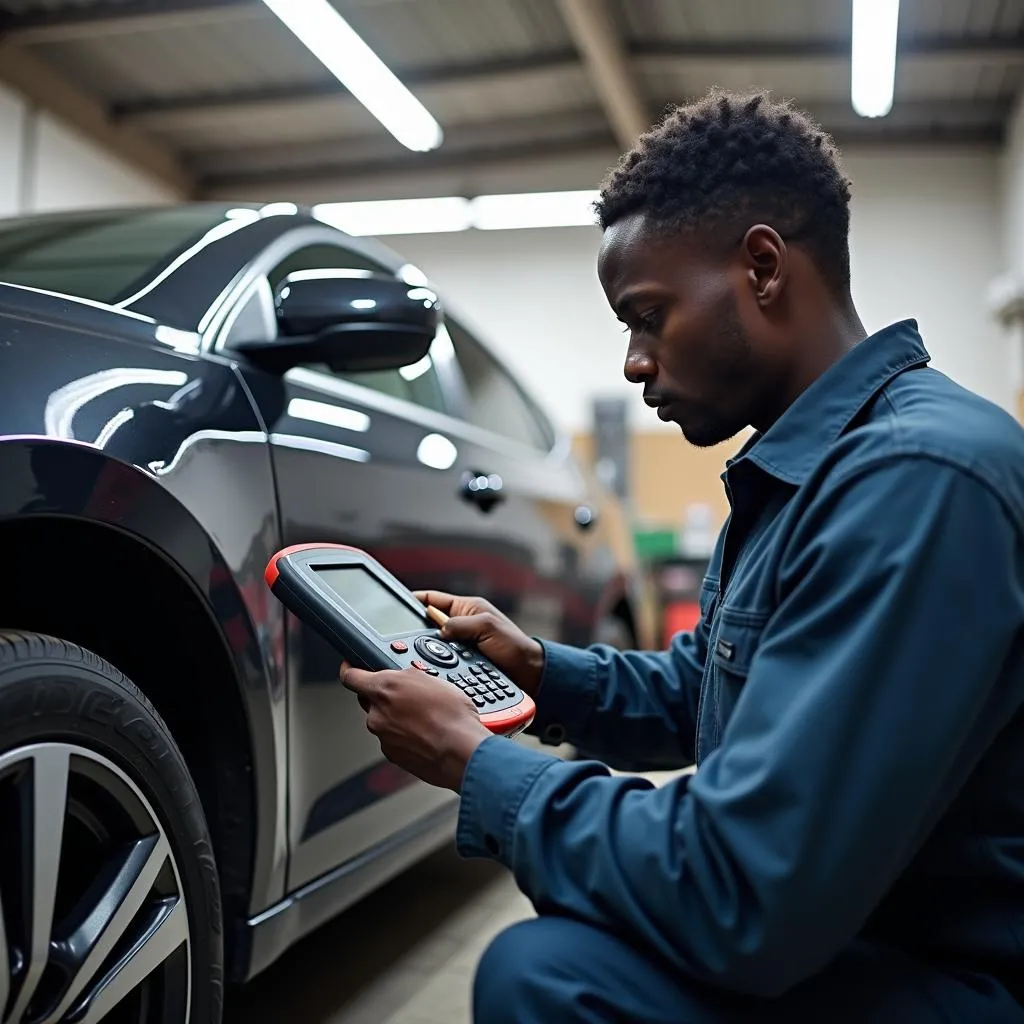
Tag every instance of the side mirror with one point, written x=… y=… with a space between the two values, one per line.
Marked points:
x=350 y=320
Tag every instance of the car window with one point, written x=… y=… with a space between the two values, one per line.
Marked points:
x=417 y=383
x=495 y=400
x=101 y=255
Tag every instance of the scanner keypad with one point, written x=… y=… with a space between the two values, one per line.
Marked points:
x=488 y=689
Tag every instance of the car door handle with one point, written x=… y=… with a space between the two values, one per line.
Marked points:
x=485 y=490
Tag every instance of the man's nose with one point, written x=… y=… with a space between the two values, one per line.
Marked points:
x=639 y=368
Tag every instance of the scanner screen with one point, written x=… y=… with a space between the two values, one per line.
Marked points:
x=376 y=603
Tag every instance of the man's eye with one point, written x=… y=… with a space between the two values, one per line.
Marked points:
x=650 y=321
x=646 y=323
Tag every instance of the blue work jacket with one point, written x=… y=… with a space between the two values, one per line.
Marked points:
x=853 y=698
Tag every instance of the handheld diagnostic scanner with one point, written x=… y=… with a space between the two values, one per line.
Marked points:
x=374 y=622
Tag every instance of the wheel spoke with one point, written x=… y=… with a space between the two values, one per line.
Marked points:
x=112 y=913
x=42 y=861
x=164 y=935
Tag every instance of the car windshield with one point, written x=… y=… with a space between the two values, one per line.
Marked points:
x=100 y=255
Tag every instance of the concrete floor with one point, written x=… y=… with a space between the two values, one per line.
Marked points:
x=404 y=955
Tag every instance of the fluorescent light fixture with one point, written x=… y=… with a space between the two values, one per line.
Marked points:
x=455 y=213
x=873 y=56
x=326 y=34
x=397 y=216
x=534 y=210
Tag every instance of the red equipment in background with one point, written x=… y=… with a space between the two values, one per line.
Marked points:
x=678 y=582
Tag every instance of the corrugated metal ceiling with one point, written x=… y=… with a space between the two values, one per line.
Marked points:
x=417 y=33
x=219 y=58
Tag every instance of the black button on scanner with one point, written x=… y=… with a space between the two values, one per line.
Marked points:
x=436 y=651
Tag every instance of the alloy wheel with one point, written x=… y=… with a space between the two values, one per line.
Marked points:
x=93 y=919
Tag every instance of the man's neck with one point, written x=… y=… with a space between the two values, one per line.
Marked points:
x=828 y=334
x=831 y=334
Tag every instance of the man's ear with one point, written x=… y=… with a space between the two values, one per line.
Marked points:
x=767 y=261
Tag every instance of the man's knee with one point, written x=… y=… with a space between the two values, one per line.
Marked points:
x=513 y=963
x=557 y=969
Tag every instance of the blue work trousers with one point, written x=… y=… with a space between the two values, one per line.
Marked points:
x=555 y=970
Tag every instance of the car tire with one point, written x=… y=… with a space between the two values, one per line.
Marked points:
x=112 y=867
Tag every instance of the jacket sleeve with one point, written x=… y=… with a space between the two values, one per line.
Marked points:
x=635 y=707
x=854 y=731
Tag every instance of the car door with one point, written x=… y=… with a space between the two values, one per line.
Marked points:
x=385 y=461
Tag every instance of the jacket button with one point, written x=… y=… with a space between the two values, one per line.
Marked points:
x=492 y=845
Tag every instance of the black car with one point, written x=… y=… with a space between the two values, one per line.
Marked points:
x=185 y=787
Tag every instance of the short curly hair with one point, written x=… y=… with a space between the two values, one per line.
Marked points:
x=729 y=161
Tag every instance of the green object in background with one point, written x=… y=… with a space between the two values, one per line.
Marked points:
x=653 y=545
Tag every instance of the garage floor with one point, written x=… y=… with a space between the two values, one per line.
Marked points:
x=404 y=955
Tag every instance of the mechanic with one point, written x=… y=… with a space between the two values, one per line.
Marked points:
x=851 y=847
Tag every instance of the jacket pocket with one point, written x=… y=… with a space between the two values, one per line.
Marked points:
x=736 y=641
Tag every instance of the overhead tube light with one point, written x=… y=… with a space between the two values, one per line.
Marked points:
x=873 y=56
x=457 y=213
x=326 y=34
x=397 y=216
x=533 y=210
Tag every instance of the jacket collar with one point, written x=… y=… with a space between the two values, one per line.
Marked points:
x=795 y=443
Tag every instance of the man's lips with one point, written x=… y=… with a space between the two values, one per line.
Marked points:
x=662 y=405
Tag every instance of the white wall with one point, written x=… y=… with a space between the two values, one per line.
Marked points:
x=925 y=243
x=46 y=166
x=1007 y=293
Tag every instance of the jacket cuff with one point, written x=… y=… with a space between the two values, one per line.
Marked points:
x=567 y=694
x=498 y=777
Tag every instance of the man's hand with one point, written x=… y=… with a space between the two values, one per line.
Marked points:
x=428 y=727
x=476 y=622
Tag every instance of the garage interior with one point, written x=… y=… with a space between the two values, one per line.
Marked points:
x=110 y=103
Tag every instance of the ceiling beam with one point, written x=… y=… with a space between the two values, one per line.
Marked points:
x=107 y=18
x=755 y=56
x=607 y=62
x=50 y=91
x=310 y=169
